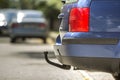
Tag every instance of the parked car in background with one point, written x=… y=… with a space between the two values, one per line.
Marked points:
x=6 y=16
x=90 y=35
x=3 y=23
x=28 y=24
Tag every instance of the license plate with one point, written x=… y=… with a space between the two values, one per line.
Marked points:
x=30 y=25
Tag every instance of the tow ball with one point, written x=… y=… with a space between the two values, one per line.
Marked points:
x=62 y=66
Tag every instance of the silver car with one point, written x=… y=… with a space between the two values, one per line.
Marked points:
x=28 y=24
x=3 y=23
x=6 y=16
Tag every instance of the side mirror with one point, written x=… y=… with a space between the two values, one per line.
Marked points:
x=63 y=1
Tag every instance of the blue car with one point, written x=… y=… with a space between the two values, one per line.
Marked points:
x=89 y=35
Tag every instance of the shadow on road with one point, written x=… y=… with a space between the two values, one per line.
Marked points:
x=27 y=43
x=4 y=35
x=34 y=55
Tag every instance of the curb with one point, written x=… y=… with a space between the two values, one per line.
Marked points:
x=53 y=35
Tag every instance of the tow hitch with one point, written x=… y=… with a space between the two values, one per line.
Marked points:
x=66 y=67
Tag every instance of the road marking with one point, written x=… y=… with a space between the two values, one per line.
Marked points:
x=85 y=75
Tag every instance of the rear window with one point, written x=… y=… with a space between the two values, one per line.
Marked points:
x=29 y=15
x=33 y=16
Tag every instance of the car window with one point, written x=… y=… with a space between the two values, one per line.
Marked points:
x=28 y=14
x=33 y=16
x=10 y=16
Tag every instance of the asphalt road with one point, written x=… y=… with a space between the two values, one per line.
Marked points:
x=25 y=61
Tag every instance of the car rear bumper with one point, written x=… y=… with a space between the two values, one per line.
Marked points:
x=90 y=52
x=90 y=57
x=29 y=33
x=92 y=64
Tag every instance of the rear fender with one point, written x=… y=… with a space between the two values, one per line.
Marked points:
x=58 y=40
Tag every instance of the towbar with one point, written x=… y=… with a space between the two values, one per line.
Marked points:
x=66 y=67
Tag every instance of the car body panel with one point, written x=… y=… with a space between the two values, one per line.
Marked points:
x=104 y=16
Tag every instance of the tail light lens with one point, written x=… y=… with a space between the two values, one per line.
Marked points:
x=14 y=25
x=42 y=25
x=79 y=20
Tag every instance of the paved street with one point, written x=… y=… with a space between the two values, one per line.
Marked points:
x=25 y=61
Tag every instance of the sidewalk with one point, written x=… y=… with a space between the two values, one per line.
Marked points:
x=53 y=35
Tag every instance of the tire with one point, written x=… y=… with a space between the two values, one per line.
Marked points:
x=23 y=39
x=44 y=40
x=1 y=33
x=117 y=77
x=13 y=40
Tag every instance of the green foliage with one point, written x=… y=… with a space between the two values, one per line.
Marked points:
x=57 y=3
x=25 y=4
x=4 y=4
x=50 y=8
x=51 y=11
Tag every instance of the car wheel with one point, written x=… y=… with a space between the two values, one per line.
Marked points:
x=1 y=32
x=13 y=40
x=117 y=77
x=23 y=39
x=44 y=40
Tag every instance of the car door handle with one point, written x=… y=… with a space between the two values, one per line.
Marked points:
x=61 y=15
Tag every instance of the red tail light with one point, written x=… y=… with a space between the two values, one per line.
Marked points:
x=42 y=25
x=79 y=20
x=14 y=25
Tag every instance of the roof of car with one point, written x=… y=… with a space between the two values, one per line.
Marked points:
x=30 y=11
